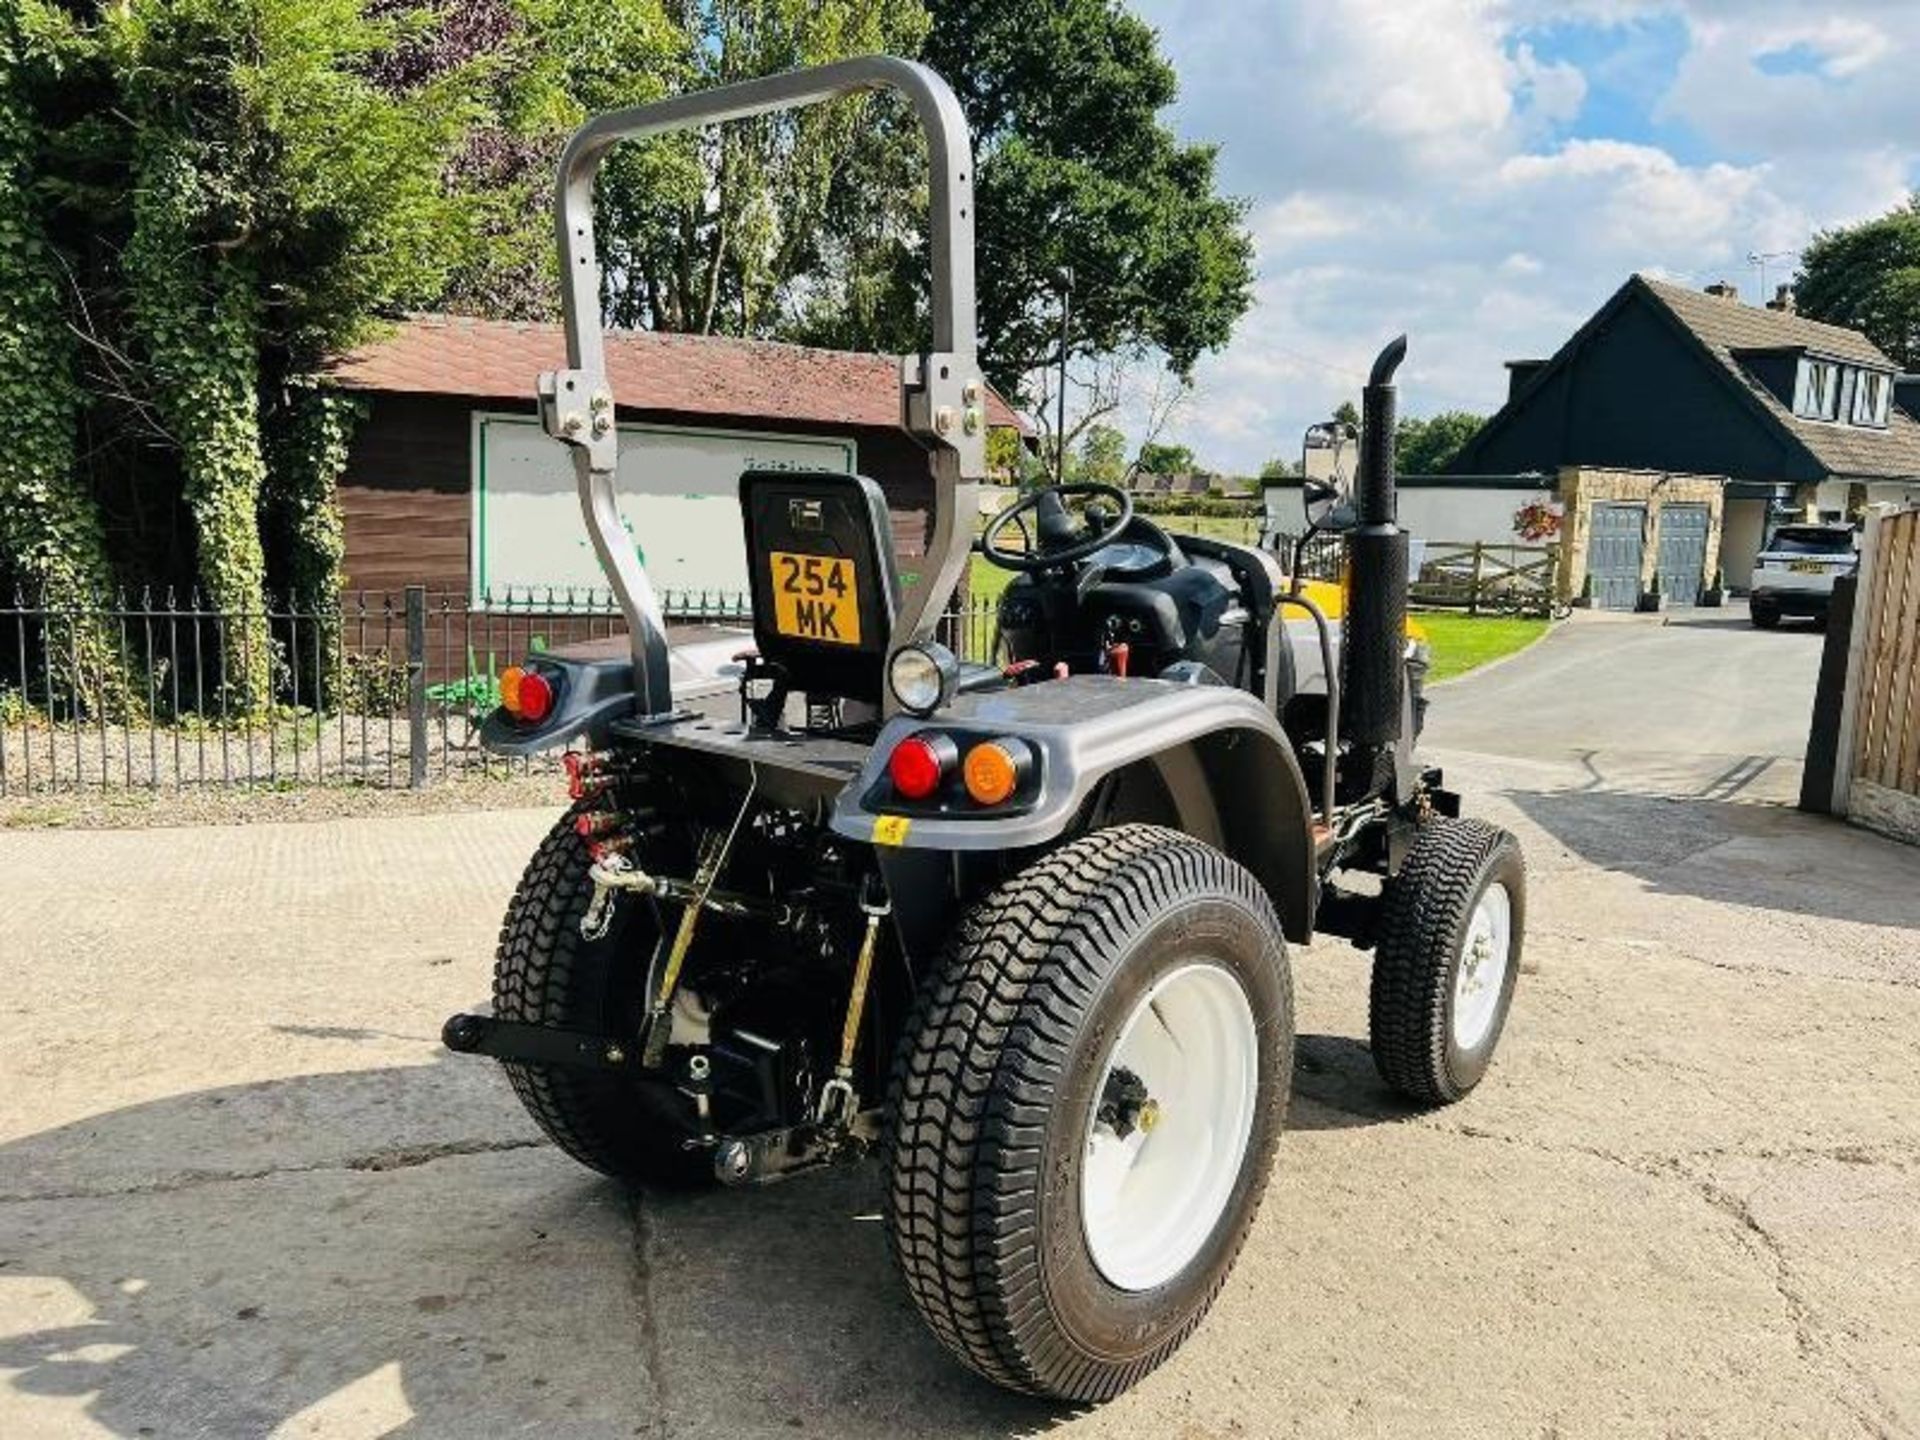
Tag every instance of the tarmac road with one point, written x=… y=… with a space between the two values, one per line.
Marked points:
x=243 y=1193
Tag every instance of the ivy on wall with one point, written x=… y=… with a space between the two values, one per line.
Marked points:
x=308 y=450
x=196 y=314
x=50 y=533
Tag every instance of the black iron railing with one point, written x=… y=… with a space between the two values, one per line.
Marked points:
x=387 y=690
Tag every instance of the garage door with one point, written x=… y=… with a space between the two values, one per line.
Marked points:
x=1613 y=556
x=1683 y=552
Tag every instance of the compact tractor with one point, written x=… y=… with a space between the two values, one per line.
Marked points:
x=1017 y=929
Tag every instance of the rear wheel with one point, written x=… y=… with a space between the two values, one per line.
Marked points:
x=1085 y=1110
x=1764 y=617
x=546 y=973
x=1448 y=957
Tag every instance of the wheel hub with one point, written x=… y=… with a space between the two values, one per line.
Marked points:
x=1169 y=1126
x=1485 y=953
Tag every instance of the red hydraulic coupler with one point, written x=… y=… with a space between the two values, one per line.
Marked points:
x=587 y=772
x=597 y=824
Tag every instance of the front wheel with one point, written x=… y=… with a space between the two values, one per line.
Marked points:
x=1086 y=1107
x=1448 y=957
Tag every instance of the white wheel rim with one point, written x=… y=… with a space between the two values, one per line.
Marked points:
x=1150 y=1198
x=1481 y=977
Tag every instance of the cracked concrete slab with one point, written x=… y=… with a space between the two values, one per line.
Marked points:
x=243 y=1193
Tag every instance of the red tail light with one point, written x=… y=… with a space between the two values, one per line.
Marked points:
x=920 y=763
x=536 y=697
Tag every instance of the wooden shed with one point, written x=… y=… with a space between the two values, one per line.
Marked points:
x=451 y=484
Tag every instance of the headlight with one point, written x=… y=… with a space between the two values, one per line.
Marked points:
x=922 y=676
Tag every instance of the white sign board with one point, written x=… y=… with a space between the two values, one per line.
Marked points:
x=679 y=493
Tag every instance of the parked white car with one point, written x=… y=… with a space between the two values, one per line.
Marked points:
x=1795 y=571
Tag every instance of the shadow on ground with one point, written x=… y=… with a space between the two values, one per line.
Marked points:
x=239 y=1262
x=1716 y=846
x=220 y=1264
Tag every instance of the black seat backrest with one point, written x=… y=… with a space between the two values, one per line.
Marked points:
x=820 y=565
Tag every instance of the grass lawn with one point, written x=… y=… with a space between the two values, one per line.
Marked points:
x=1460 y=642
x=1464 y=642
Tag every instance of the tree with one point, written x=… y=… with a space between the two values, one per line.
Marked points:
x=1867 y=278
x=1074 y=170
x=728 y=229
x=1103 y=456
x=1427 y=447
x=1278 y=468
x=1347 y=413
x=280 y=200
x=50 y=533
x=1160 y=459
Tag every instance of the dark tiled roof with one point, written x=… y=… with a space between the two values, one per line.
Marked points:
x=1727 y=327
x=680 y=374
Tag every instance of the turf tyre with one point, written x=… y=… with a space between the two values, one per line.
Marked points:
x=546 y=973
x=1428 y=907
x=991 y=1099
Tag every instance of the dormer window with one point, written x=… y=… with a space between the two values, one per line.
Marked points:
x=1817 y=397
x=1871 y=397
x=1844 y=394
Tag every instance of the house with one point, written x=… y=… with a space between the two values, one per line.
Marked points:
x=451 y=483
x=1752 y=410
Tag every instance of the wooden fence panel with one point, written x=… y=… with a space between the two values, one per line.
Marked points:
x=1889 y=748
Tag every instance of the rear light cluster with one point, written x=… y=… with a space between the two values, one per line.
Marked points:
x=525 y=694
x=991 y=772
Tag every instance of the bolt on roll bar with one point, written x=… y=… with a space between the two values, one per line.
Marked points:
x=943 y=402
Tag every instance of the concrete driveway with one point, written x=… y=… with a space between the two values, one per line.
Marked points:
x=242 y=1193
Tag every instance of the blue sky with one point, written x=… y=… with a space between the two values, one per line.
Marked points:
x=1483 y=173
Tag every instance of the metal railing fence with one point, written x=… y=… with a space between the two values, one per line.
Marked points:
x=388 y=690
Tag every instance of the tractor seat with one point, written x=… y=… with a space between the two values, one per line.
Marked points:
x=821 y=573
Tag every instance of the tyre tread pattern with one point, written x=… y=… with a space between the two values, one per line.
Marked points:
x=542 y=976
x=975 y=1077
x=1426 y=906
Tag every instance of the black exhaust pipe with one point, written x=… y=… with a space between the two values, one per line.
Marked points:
x=1373 y=650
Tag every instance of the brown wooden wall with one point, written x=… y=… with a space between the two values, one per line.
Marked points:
x=405 y=502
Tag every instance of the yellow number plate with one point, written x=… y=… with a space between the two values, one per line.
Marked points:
x=1808 y=567
x=815 y=598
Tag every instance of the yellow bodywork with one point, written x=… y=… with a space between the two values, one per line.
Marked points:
x=1332 y=600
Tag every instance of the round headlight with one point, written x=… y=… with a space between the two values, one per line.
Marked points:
x=921 y=676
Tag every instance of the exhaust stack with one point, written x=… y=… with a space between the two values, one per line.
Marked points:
x=1373 y=651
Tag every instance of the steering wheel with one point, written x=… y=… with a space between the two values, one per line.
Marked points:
x=1054 y=527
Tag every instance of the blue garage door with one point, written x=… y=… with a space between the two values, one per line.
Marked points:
x=1613 y=556
x=1683 y=552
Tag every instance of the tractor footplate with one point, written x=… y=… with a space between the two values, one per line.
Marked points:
x=537 y=1044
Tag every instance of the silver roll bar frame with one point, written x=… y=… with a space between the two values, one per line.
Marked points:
x=942 y=392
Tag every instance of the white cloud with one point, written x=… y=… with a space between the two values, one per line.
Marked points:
x=1403 y=160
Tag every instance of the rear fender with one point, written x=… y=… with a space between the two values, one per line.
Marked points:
x=1208 y=760
x=592 y=687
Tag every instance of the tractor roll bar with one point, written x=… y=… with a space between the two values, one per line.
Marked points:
x=942 y=393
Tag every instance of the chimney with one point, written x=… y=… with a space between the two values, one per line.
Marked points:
x=1724 y=290
x=1782 y=300
x=1519 y=372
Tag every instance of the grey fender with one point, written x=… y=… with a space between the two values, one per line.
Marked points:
x=1209 y=760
